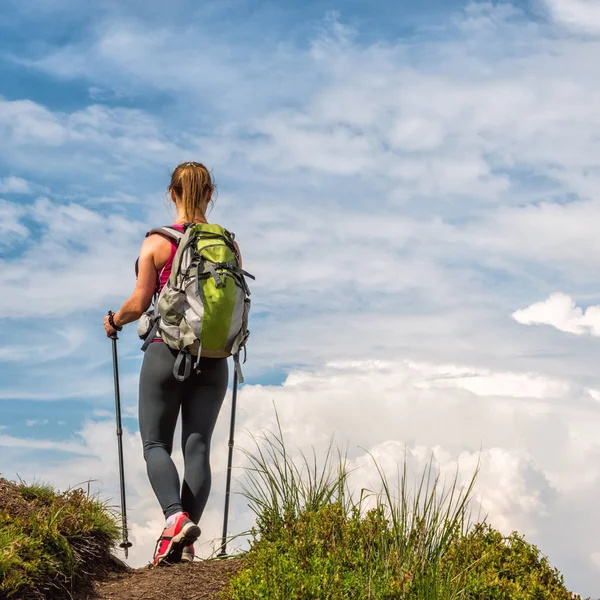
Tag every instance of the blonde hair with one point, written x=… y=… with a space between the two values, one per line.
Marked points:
x=194 y=187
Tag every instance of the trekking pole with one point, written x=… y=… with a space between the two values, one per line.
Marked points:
x=125 y=544
x=223 y=552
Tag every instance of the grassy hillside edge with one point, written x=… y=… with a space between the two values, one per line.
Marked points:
x=52 y=543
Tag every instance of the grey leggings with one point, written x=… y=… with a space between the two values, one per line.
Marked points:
x=161 y=397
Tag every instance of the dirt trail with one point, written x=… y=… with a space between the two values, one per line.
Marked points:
x=200 y=580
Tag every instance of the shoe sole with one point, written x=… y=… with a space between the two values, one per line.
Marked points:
x=186 y=537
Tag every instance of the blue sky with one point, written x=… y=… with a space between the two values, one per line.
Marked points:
x=415 y=187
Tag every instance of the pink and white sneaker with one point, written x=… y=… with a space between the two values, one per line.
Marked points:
x=188 y=554
x=170 y=545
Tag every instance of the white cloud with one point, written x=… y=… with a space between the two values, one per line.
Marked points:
x=559 y=237
x=37 y=141
x=560 y=311
x=35 y=422
x=64 y=342
x=484 y=382
x=437 y=118
x=582 y=15
x=33 y=444
x=126 y=58
x=10 y=222
x=85 y=251
x=503 y=494
x=82 y=387
x=14 y=185
x=365 y=110
x=102 y=413
x=24 y=121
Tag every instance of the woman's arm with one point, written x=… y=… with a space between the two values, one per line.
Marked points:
x=141 y=298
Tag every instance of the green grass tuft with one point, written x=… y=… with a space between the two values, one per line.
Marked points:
x=51 y=542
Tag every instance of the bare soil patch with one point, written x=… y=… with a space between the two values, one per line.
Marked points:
x=200 y=580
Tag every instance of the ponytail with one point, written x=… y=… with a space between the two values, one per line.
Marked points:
x=193 y=185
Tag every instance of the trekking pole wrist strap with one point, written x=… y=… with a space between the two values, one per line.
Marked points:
x=111 y=321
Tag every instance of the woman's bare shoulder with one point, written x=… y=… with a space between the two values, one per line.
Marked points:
x=158 y=246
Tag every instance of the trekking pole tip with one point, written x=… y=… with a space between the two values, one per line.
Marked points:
x=126 y=544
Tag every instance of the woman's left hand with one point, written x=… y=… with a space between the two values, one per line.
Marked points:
x=110 y=330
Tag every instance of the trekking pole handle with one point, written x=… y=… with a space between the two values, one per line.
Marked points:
x=113 y=325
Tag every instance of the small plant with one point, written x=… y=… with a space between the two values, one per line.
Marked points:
x=51 y=542
x=504 y=568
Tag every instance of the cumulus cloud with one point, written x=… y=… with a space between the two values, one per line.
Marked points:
x=560 y=311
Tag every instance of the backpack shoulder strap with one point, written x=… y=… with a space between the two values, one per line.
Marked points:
x=183 y=247
x=168 y=231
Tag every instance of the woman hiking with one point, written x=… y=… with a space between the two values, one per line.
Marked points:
x=162 y=395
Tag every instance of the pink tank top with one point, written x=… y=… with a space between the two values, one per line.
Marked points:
x=165 y=272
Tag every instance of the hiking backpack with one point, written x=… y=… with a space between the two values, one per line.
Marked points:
x=202 y=310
